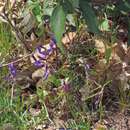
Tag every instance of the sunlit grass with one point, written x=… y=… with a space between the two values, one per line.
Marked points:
x=6 y=38
x=12 y=112
x=6 y=41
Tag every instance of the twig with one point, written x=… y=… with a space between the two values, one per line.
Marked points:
x=12 y=94
x=20 y=59
x=47 y=114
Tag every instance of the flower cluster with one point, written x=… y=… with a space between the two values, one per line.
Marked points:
x=41 y=54
x=12 y=69
x=38 y=58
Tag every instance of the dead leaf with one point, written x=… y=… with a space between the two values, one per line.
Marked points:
x=68 y=37
x=99 y=126
x=27 y=23
x=120 y=51
x=12 y=2
x=1 y=6
x=100 y=45
x=39 y=73
x=101 y=66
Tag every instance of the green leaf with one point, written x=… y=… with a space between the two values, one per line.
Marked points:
x=48 y=7
x=75 y=3
x=58 y=25
x=67 y=6
x=104 y=25
x=124 y=6
x=70 y=18
x=108 y=54
x=89 y=16
x=128 y=19
x=55 y=80
x=36 y=10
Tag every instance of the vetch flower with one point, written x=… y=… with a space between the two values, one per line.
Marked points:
x=65 y=84
x=41 y=53
x=40 y=56
x=49 y=51
x=46 y=72
x=38 y=63
x=52 y=44
x=12 y=69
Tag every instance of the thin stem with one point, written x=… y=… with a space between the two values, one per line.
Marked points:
x=20 y=59
x=12 y=94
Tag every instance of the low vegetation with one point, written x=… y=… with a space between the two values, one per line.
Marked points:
x=64 y=64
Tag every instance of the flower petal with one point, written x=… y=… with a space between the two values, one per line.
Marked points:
x=38 y=63
x=12 y=69
x=52 y=44
x=46 y=73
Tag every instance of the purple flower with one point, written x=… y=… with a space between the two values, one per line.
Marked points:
x=66 y=87
x=46 y=73
x=87 y=66
x=49 y=51
x=38 y=63
x=40 y=49
x=43 y=54
x=12 y=69
x=65 y=84
x=52 y=44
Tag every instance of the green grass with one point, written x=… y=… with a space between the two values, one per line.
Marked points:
x=7 y=108
x=10 y=110
x=6 y=41
x=82 y=125
x=6 y=38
